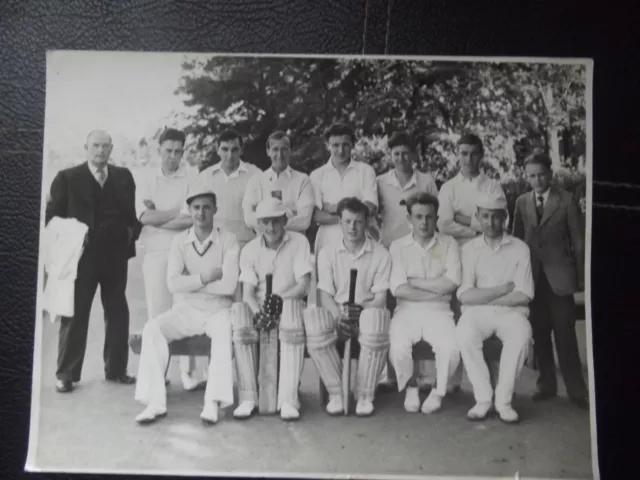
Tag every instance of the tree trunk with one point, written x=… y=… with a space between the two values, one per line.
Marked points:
x=553 y=140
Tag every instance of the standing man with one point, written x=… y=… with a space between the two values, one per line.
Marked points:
x=228 y=179
x=102 y=196
x=548 y=219
x=496 y=289
x=161 y=198
x=456 y=214
x=286 y=255
x=203 y=276
x=426 y=272
x=367 y=320
x=339 y=178
x=293 y=188
x=394 y=187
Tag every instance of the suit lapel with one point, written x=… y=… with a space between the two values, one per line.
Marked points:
x=530 y=206
x=551 y=206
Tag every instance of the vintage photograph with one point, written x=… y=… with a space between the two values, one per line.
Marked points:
x=315 y=267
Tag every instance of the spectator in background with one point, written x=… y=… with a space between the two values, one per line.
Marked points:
x=161 y=196
x=228 y=179
x=548 y=220
x=290 y=186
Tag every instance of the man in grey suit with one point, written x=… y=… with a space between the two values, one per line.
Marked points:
x=548 y=220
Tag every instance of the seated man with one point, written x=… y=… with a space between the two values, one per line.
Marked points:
x=286 y=255
x=425 y=272
x=373 y=263
x=497 y=286
x=202 y=275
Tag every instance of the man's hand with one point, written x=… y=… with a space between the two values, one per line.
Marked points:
x=212 y=276
x=329 y=207
x=347 y=328
x=351 y=311
x=508 y=287
x=373 y=232
x=149 y=204
x=462 y=219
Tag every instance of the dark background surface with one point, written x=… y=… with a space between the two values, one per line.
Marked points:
x=607 y=33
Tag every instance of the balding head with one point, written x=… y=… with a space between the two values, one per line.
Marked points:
x=98 y=147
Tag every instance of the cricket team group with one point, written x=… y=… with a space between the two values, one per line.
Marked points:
x=432 y=266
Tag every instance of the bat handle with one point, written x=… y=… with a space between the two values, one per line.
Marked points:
x=269 y=280
x=352 y=285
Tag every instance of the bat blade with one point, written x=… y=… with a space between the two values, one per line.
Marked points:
x=268 y=365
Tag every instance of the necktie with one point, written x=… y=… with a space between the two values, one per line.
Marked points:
x=101 y=177
x=540 y=207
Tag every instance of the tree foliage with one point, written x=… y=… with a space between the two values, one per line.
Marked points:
x=514 y=107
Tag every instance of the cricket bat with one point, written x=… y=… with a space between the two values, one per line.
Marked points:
x=268 y=368
x=346 y=357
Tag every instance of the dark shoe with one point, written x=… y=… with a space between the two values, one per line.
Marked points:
x=581 y=402
x=64 y=386
x=122 y=379
x=543 y=396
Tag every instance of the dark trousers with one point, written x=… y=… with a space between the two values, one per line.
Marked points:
x=109 y=270
x=551 y=313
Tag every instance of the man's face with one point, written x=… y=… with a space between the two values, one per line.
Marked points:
x=401 y=156
x=273 y=228
x=353 y=225
x=171 y=153
x=279 y=152
x=538 y=176
x=98 y=148
x=229 y=152
x=202 y=210
x=470 y=157
x=339 y=147
x=491 y=221
x=423 y=219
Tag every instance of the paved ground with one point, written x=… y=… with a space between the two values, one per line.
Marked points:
x=93 y=429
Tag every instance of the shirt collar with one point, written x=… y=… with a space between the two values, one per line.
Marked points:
x=330 y=165
x=475 y=180
x=179 y=173
x=273 y=176
x=242 y=167
x=213 y=237
x=505 y=240
x=285 y=239
x=545 y=196
x=367 y=247
x=413 y=181
x=94 y=170
x=409 y=240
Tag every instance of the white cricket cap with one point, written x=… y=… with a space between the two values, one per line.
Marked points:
x=200 y=190
x=492 y=198
x=270 y=208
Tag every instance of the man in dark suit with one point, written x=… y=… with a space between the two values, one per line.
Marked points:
x=103 y=197
x=548 y=220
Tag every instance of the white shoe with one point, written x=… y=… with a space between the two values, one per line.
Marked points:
x=412 y=399
x=364 y=408
x=209 y=413
x=479 y=411
x=188 y=382
x=507 y=414
x=289 y=412
x=432 y=403
x=335 y=406
x=151 y=414
x=244 y=410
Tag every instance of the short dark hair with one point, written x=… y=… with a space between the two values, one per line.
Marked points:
x=400 y=139
x=277 y=135
x=354 y=205
x=420 y=198
x=471 y=139
x=173 y=135
x=538 y=158
x=229 y=135
x=339 y=129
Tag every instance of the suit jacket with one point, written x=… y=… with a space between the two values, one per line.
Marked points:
x=72 y=196
x=557 y=243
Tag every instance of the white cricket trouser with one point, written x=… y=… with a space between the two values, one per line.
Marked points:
x=182 y=321
x=512 y=327
x=433 y=323
x=159 y=298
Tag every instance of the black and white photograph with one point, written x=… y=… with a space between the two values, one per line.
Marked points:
x=315 y=266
